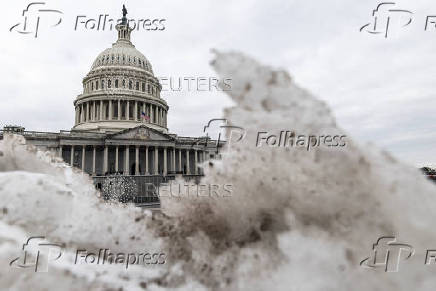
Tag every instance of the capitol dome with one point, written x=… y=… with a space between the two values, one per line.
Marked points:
x=124 y=54
x=120 y=91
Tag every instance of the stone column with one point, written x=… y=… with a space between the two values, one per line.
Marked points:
x=126 y=161
x=93 y=159
x=101 y=109
x=173 y=166
x=135 y=116
x=105 y=160
x=110 y=110
x=156 y=160
x=188 y=170
x=127 y=110
x=87 y=111
x=157 y=114
x=151 y=113
x=72 y=156
x=116 y=158
x=136 y=160
x=180 y=160
x=165 y=162
x=83 y=157
x=195 y=162
x=60 y=151
x=119 y=109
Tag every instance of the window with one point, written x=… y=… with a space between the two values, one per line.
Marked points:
x=130 y=84
x=124 y=83
x=137 y=86
x=143 y=87
x=109 y=83
x=96 y=85
x=148 y=89
x=92 y=86
x=116 y=83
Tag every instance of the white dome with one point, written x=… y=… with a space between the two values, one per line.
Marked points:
x=122 y=54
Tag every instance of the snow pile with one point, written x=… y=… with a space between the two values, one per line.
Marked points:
x=297 y=219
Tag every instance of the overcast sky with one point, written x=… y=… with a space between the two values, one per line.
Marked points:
x=382 y=90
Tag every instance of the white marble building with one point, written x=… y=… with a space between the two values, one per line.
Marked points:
x=121 y=122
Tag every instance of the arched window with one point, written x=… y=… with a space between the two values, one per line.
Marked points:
x=109 y=83
x=137 y=85
x=116 y=83
x=130 y=84
x=92 y=86
x=96 y=85
x=143 y=87
x=124 y=83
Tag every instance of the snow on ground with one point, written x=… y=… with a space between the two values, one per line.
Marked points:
x=296 y=219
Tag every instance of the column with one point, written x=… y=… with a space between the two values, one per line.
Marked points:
x=156 y=159
x=143 y=108
x=188 y=171
x=93 y=111
x=60 y=151
x=195 y=162
x=83 y=157
x=72 y=156
x=116 y=158
x=146 y=160
x=151 y=113
x=87 y=111
x=135 y=116
x=180 y=160
x=93 y=159
x=110 y=110
x=137 y=160
x=157 y=114
x=127 y=111
x=101 y=109
x=126 y=161
x=165 y=162
x=105 y=160
x=119 y=110
x=173 y=166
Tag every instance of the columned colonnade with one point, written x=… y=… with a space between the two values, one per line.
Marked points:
x=133 y=159
x=117 y=109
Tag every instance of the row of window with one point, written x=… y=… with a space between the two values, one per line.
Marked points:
x=130 y=84
x=123 y=60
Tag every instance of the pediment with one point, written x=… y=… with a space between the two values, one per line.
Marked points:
x=141 y=133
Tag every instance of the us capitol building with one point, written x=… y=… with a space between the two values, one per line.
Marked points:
x=121 y=123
